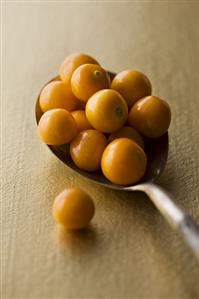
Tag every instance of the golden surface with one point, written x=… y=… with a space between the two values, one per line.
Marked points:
x=129 y=251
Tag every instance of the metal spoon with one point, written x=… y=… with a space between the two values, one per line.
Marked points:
x=157 y=152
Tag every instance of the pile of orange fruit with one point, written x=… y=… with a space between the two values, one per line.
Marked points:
x=105 y=118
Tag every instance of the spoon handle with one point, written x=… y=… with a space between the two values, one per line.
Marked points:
x=176 y=217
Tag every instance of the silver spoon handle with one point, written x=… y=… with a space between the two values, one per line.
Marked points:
x=175 y=216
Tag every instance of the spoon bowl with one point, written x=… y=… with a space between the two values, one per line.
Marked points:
x=156 y=151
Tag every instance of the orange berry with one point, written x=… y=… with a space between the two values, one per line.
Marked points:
x=128 y=132
x=56 y=127
x=88 y=79
x=72 y=62
x=107 y=111
x=151 y=116
x=86 y=149
x=81 y=120
x=73 y=208
x=56 y=94
x=123 y=162
x=132 y=85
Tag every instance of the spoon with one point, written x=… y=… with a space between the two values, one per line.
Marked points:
x=157 y=153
